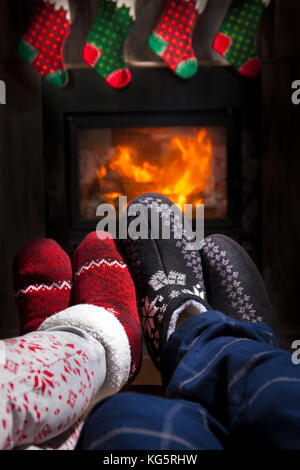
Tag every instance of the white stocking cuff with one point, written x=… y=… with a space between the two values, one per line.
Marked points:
x=58 y=4
x=127 y=3
x=105 y=328
x=201 y=5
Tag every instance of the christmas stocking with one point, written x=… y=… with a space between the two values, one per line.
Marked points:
x=42 y=45
x=104 y=47
x=236 y=40
x=172 y=36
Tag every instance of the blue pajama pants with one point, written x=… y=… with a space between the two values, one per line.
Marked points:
x=228 y=386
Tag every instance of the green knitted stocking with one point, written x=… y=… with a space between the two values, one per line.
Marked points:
x=104 y=46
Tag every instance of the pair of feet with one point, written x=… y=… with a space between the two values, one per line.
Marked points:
x=171 y=282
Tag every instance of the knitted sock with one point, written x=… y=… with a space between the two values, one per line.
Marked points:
x=104 y=47
x=236 y=40
x=42 y=44
x=42 y=277
x=168 y=275
x=101 y=278
x=233 y=284
x=172 y=36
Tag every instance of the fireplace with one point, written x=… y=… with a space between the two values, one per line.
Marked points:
x=186 y=163
x=184 y=142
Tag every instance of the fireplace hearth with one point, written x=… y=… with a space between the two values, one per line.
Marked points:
x=193 y=141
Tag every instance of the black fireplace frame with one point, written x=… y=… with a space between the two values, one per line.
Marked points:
x=216 y=96
x=110 y=120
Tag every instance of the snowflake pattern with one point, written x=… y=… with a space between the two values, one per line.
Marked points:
x=191 y=258
x=152 y=317
x=149 y=312
x=49 y=368
x=174 y=286
x=160 y=279
x=230 y=281
x=196 y=291
x=174 y=293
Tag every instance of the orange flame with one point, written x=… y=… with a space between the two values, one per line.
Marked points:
x=184 y=173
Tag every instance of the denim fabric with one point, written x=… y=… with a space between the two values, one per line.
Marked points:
x=228 y=385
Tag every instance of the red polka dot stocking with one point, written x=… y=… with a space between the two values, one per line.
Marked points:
x=42 y=44
x=172 y=36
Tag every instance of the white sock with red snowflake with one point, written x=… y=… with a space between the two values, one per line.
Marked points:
x=47 y=381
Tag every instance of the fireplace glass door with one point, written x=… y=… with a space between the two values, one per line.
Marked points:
x=188 y=164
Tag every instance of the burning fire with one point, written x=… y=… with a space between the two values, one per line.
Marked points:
x=183 y=173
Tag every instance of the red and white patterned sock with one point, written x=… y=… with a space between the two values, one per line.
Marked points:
x=105 y=308
x=102 y=278
x=42 y=278
x=42 y=44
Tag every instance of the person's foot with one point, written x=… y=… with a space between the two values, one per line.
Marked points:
x=105 y=308
x=42 y=281
x=233 y=284
x=168 y=276
x=102 y=278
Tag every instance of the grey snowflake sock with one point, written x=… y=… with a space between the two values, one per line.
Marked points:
x=168 y=276
x=234 y=285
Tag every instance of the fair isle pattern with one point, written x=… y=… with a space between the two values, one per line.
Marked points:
x=191 y=257
x=197 y=291
x=159 y=279
x=152 y=317
x=153 y=312
x=230 y=281
x=164 y=283
x=43 y=287
x=98 y=263
x=42 y=282
x=106 y=283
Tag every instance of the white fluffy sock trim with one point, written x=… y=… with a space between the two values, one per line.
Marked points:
x=191 y=307
x=127 y=3
x=105 y=328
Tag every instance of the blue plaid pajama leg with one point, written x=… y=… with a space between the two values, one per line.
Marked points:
x=236 y=371
x=227 y=385
x=133 y=421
